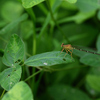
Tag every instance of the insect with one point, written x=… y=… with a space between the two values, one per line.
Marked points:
x=69 y=48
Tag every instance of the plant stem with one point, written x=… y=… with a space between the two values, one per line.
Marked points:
x=31 y=13
x=37 y=83
x=56 y=22
x=33 y=75
x=2 y=94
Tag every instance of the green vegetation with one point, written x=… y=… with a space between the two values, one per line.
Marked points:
x=32 y=66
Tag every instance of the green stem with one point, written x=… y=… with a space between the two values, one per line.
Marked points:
x=56 y=22
x=43 y=8
x=34 y=52
x=31 y=13
x=33 y=75
x=37 y=83
x=34 y=42
x=2 y=94
x=81 y=82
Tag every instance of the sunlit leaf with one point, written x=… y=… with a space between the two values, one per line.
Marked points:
x=30 y=3
x=14 y=52
x=9 y=77
x=48 y=59
x=71 y=1
x=20 y=91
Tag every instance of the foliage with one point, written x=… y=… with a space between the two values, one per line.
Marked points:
x=31 y=34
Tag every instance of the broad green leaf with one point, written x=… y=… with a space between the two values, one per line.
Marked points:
x=63 y=92
x=13 y=24
x=94 y=82
x=14 y=52
x=91 y=60
x=98 y=43
x=88 y=5
x=9 y=77
x=71 y=1
x=8 y=14
x=20 y=91
x=48 y=59
x=30 y=3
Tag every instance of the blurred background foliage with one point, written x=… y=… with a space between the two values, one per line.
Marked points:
x=43 y=30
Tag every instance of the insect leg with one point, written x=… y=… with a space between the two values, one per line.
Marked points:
x=62 y=50
x=71 y=52
x=66 y=52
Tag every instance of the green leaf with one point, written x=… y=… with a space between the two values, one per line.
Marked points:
x=14 y=52
x=94 y=71
x=71 y=1
x=98 y=43
x=94 y=82
x=78 y=18
x=9 y=77
x=56 y=4
x=2 y=66
x=63 y=92
x=48 y=59
x=13 y=24
x=20 y=91
x=82 y=53
x=30 y=3
x=68 y=5
x=8 y=14
x=88 y=5
x=91 y=60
